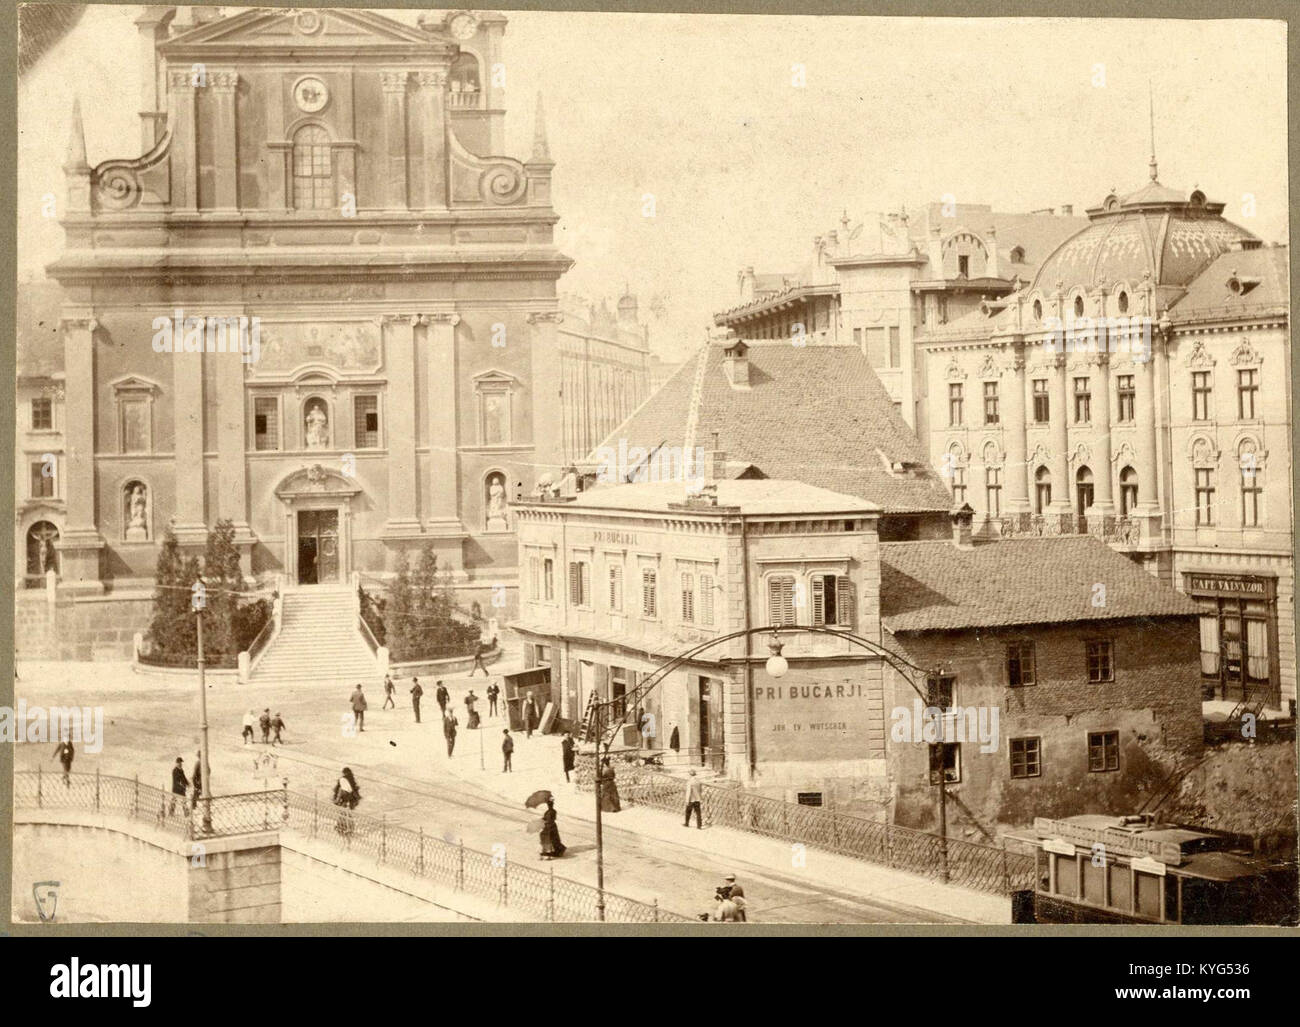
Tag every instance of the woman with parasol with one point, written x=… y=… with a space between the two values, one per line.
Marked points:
x=548 y=833
x=346 y=796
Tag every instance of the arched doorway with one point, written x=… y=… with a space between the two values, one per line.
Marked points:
x=41 y=554
x=1042 y=490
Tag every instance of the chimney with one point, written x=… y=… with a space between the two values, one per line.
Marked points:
x=736 y=364
x=1067 y=210
x=746 y=284
x=962 y=517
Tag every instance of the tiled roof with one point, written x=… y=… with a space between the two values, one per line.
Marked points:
x=934 y=586
x=816 y=414
x=1209 y=292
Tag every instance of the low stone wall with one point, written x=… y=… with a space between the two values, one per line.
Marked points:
x=441 y=668
x=78 y=628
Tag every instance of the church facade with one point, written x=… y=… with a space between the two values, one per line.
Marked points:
x=320 y=305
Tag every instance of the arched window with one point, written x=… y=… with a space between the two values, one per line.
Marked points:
x=1083 y=489
x=313 y=170
x=41 y=554
x=1078 y=306
x=463 y=78
x=1128 y=491
x=1042 y=490
x=1123 y=303
x=1038 y=310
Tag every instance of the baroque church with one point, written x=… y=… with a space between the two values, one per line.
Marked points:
x=320 y=304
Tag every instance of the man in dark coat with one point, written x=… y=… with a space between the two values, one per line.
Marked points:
x=443 y=697
x=180 y=785
x=507 y=750
x=389 y=689
x=359 y=708
x=449 y=724
x=277 y=725
x=64 y=753
x=568 y=747
x=264 y=721
x=478 y=661
x=416 y=692
x=493 y=691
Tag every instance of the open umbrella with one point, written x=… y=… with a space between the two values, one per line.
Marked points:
x=538 y=797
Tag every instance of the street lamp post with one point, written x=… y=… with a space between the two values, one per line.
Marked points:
x=199 y=602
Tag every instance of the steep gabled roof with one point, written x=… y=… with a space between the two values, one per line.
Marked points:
x=816 y=414
x=936 y=586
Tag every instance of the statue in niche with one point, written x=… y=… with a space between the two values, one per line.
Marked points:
x=318 y=430
x=498 y=518
x=137 y=513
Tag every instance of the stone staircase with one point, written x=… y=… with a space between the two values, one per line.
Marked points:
x=319 y=642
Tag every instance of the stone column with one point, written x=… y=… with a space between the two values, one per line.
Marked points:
x=184 y=145
x=187 y=445
x=1147 y=512
x=399 y=357
x=80 y=542
x=1015 y=473
x=442 y=510
x=429 y=142
x=548 y=424
x=224 y=85
x=1102 y=502
x=1061 y=438
x=232 y=447
x=394 y=83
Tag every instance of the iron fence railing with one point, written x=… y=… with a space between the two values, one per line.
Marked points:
x=974 y=865
x=538 y=894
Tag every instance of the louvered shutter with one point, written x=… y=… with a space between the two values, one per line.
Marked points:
x=844 y=602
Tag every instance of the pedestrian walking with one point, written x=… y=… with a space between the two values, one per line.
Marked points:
x=471 y=713
x=265 y=722
x=416 y=692
x=359 y=708
x=694 y=796
x=507 y=750
x=568 y=748
x=346 y=796
x=443 y=697
x=493 y=693
x=277 y=725
x=250 y=718
x=64 y=753
x=196 y=778
x=478 y=661
x=180 y=784
x=389 y=689
x=552 y=847
x=530 y=714
x=733 y=892
x=724 y=910
x=608 y=789
x=449 y=725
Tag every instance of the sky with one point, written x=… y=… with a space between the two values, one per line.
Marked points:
x=753 y=133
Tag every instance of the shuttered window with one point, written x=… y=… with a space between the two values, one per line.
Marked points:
x=780 y=600
x=616 y=589
x=688 y=598
x=580 y=583
x=706 y=600
x=649 y=593
x=832 y=598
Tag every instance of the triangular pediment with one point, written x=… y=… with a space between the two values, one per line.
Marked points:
x=331 y=29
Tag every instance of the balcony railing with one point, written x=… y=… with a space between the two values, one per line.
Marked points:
x=464 y=99
x=1116 y=530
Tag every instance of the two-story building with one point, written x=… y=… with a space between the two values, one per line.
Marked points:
x=1070 y=679
x=620 y=580
x=1122 y=393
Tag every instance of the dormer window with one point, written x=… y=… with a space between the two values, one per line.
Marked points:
x=1017 y=254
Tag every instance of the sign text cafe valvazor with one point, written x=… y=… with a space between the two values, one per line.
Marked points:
x=1239 y=643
